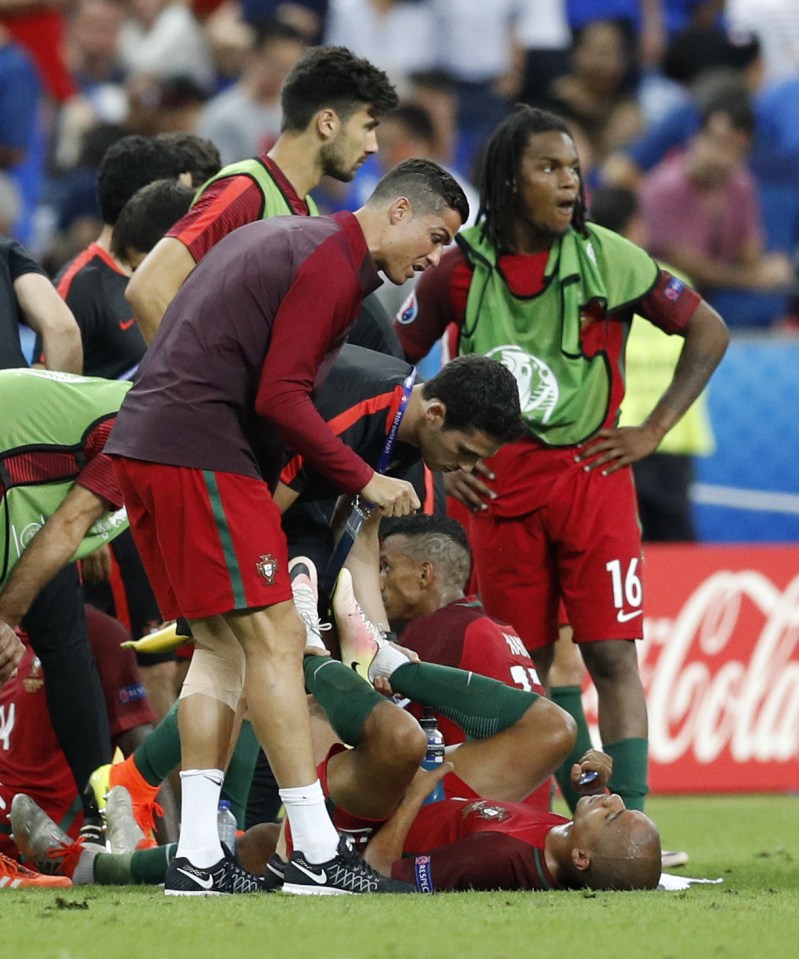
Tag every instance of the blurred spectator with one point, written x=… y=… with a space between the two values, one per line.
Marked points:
x=93 y=56
x=596 y=92
x=19 y=100
x=545 y=37
x=21 y=136
x=695 y=59
x=245 y=119
x=776 y=23
x=162 y=38
x=703 y=216
x=644 y=18
x=398 y=35
x=93 y=43
x=39 y=26
x=477 y=47
x=164 y=104
x=309 y=16
x=663 y=479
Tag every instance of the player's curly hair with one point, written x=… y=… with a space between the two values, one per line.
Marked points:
x=500 y=170
x=127 y=166
x=334 y=77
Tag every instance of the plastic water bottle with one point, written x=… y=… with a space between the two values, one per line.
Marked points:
x=434 y=756
x=227 y=825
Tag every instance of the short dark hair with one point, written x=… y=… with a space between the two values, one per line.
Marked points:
x=501 y=167
x=196 y=155
x=127 y=166
x=480 y=394
x=148 y=214
x=333 y=77
x=440 y=539
x=427 y=185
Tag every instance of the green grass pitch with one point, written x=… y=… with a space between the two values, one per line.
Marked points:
x=752 y=841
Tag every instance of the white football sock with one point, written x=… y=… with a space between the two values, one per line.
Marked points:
x=312 y=832
x=199 y=837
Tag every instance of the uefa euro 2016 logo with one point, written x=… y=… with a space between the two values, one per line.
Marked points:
x=537 y=385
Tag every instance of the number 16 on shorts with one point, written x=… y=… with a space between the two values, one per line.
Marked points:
x=628 y=590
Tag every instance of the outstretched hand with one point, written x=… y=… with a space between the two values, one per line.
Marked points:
x=594 y=761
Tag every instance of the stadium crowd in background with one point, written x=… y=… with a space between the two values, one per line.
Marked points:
x=681 y=103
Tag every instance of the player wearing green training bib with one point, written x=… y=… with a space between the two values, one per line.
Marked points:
x=59 y=500
x=552 y=296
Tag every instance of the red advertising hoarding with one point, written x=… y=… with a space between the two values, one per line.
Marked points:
x=720 y=665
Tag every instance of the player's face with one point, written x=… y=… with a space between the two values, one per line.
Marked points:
x=400 y=579
x=603 y=821
x=547 y=186
x=448 y=450
x=414 y=243
x=354 y=141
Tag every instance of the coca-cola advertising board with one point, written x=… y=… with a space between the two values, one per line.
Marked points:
x=720 y=665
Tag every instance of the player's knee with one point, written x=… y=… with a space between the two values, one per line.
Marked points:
x=549 y=723
x=217 y=674
x=397 y=735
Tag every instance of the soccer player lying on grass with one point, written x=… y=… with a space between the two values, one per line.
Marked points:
x=481 y=836
x=467 y=410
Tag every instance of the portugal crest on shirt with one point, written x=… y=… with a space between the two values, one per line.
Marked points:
x=267 y=568
x=486 y=811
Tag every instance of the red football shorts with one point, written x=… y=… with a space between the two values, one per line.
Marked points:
x=210 y=542
x=580 y=542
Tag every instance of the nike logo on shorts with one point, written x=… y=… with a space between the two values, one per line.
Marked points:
x=205 y=882
x=127 y=324
x=319 y=877
x=623 y=617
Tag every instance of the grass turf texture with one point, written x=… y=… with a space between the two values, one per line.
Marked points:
x=753 y=842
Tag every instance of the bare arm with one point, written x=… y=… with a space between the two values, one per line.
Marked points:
x=49 y=316
x=156 y=281
x=706 y=339
x=50 y=550
x=385 y=847
x=364 y=564
x=11 y=650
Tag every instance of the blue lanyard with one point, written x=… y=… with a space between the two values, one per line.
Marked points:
x=385 y=456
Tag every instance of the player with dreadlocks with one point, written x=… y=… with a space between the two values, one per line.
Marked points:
x=551 y=295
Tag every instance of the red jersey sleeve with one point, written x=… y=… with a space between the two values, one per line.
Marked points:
x=436 y=301
x=671 y=304
x=225 y=206
x=295 y=362
x=97 y=476
x=484 y=861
